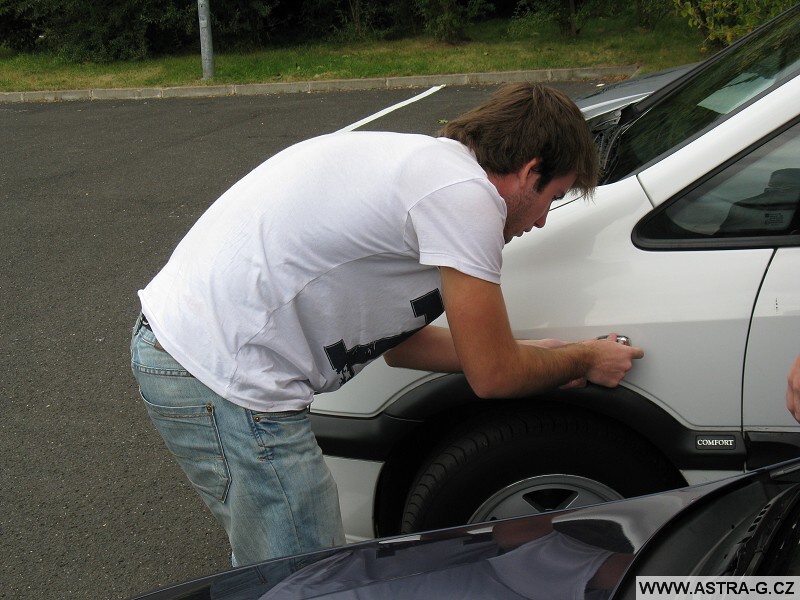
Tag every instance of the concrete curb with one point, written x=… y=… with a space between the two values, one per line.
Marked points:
x=257 y=89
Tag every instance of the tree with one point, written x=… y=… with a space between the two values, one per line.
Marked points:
x=722 y=22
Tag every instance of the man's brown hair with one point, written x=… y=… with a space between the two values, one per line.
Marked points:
x=524 y=121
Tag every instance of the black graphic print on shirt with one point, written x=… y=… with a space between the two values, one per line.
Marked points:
x=342 y=359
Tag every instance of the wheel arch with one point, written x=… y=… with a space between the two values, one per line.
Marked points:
x=441 y=406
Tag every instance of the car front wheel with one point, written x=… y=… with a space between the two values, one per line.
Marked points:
x=544 y=458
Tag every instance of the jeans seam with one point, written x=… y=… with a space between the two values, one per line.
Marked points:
x=160 y=372
x=225 y=477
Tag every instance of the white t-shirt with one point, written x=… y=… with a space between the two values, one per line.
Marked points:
x=319 y=260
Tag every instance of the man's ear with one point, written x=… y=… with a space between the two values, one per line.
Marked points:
x=528 y=170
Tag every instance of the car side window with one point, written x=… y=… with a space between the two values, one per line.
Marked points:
x=752 y=202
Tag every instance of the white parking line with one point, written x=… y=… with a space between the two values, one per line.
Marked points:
x=394 y=107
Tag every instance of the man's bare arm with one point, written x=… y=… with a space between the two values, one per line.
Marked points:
x=430 y=349
x=496 y=365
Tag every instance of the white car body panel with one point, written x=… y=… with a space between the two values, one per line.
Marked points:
x=597 y=281
x=775 y=333
x=357 y=481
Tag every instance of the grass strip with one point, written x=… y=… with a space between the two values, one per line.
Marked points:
x=602 y=42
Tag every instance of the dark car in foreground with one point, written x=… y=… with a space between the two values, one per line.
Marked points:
x=743 y=525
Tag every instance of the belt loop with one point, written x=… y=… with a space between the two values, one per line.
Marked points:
x=138 y=324
x=143 y=323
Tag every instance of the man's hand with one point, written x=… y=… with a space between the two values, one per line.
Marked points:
x=612 y=361
x=793 y=390
x=610 y=366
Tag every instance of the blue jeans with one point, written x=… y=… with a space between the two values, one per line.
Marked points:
x=261 y=474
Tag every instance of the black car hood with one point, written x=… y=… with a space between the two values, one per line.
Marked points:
x=598 y=548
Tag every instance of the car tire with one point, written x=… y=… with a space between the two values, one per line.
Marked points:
x=513 y=464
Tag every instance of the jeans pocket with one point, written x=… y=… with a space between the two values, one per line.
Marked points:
x=284 y=433
x=192 y=436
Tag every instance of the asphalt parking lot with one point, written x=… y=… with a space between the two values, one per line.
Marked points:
x=95 y=195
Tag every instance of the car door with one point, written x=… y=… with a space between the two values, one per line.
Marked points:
x=747 y=207
x=774 y=339
x=773 y=344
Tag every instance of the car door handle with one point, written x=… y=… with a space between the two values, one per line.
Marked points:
x=621 y=339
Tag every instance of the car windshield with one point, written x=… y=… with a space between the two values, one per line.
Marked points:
x=764 y=60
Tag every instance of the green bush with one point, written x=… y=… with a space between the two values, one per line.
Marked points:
x=722 y=22
x=650 y=12
x=97 y=31
x=20 y=23
x=102 y=31
x=446 y=20
x=347 y=20
x=569 y=16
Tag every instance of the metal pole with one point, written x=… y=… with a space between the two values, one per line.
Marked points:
x=206 y=47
